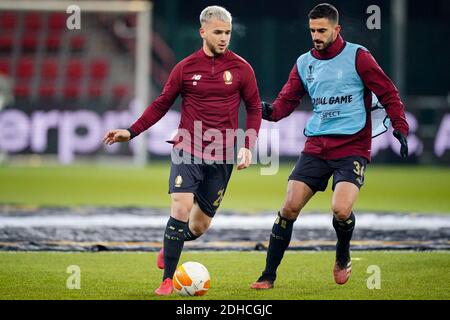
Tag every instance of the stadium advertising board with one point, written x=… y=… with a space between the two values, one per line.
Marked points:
x=79 y=132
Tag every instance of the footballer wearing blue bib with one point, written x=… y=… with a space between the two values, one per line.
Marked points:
x=340 y=78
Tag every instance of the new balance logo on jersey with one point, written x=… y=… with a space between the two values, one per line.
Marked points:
x=196 y=77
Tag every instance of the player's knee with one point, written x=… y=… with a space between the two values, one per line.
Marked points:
x=180 y=207
x=198 y=229
x=342 y=210
x=180 y=212
x=290 y=211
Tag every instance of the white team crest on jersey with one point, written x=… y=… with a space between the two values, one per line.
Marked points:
x=178 y=181
x=228 y=77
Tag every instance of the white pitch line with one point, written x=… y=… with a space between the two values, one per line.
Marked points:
x=308 y=221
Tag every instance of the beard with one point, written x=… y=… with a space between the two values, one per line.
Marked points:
x=324 y=44
x=214 y=50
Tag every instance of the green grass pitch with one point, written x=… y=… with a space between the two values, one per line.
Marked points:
x=302 y=275
x=394 y=188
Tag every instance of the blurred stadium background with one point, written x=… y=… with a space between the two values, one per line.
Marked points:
x=69 y=86
x=61 y=89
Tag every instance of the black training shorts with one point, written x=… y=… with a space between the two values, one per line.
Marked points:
x=206 y=181
x=316 y=172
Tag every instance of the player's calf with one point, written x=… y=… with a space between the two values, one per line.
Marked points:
x=280 y=238
x=173 y=245
x=188 y=236
x=160 y=259
x=343 y=264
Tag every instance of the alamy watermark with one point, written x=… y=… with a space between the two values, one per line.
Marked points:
x=73 y=21
x=213 y=146
x=374 y=20
x=374 y=280
x=74 y=280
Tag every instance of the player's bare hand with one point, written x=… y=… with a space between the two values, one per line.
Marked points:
x=245 y=156
x=117 y=135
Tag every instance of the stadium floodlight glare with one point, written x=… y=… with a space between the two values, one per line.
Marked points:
x=143 y=11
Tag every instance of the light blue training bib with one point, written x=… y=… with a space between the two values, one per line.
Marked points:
x=336 y=91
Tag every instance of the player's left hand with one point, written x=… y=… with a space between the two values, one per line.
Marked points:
x=245 y=156
x=267 y=110
x=403 y=142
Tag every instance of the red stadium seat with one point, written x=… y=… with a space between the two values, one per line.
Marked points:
x=99 y=69
x=29 y=43
x=53 y=42
x=74 y=69
x=71 y=91
x=119 y=91
x=95 y=91
x=4 y=66
x=6 y=43
x=77 y=43
x=22 y=90
x=49 y=69
x=47 y=91
x=25 y=68
x=8 y=21
x=32 y=21
x=57 y=21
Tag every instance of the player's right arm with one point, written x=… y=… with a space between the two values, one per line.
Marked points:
x=288 y=99
x=154 y=112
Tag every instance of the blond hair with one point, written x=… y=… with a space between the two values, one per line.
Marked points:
x=215 y=12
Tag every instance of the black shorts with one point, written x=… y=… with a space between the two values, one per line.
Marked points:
x=316 y=172
x=208 y=183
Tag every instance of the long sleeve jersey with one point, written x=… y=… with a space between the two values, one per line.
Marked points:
x=374 y=80
x=211 y=89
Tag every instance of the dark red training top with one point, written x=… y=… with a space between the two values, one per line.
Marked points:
x=211 y=89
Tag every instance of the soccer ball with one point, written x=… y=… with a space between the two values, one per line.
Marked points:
x=191 y=279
